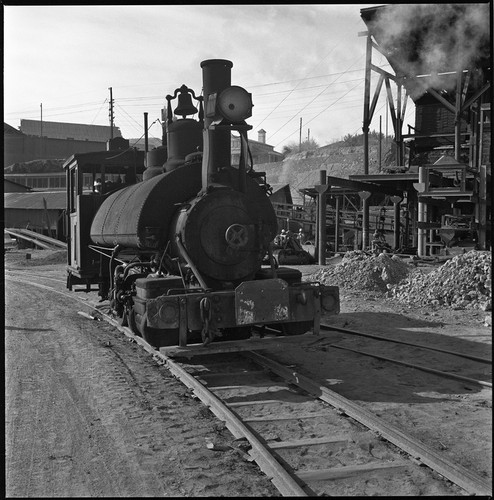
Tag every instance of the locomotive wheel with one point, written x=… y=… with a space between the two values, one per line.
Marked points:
x=238 y=333
x=124 y=319
x=158 y=338
x=295 y=328
x=131 y=319
x=119 y=310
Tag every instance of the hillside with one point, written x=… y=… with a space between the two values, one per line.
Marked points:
x=302 y=170
x=35 y=167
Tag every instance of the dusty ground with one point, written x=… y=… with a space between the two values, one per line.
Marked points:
x=89 y=414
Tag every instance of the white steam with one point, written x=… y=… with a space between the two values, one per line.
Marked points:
x=426 y=39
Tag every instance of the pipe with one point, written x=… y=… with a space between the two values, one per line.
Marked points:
x=337 y=224
x=365 y=223
x=397 y=225
x=146 y=147
x=421 y=217
x=185 y=255
x=321 y=209
x=216 y=76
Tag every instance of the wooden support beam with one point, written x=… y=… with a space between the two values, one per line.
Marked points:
x=475 y=96
x=383 y=72
x=391 y=105
x=296 y=443
x=362 y=186
x=376 y=97
x=280 y=418
x=442 y=100
x=349 y=471
x=232 y=345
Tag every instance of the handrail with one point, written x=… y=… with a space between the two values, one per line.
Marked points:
x=39 y=239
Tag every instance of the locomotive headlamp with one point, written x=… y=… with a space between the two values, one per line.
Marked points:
x=233 y=104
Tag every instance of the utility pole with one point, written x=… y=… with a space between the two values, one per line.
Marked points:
x=41 y=129
x=111 y=113
x=300 y=137
x=146 y=139
x=380 y=142
x=308 y=135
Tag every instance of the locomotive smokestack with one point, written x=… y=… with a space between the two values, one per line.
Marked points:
x=216 y=76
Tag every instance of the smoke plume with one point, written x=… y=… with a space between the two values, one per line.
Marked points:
x=426 y=39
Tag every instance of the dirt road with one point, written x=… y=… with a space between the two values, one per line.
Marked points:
x=88 y=413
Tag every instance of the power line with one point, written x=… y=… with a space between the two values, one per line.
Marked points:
x=99 y=111
x=300 y=81
x=316 y=98
x=313 y=118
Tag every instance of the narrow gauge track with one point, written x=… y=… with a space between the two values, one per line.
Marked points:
x=427 y=369
x=396 y=341
x=357 y=449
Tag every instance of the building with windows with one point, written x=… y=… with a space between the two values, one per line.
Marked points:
x=36 y=139
x=261 y=152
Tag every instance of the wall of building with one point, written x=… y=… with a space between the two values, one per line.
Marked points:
x=35 y=220
x=10 y=186
x=21 y=148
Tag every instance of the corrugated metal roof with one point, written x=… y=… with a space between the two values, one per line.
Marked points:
x=77 y=131
x=55 y=200
x=8 y=129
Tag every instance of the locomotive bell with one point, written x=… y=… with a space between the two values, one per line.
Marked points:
x=185 y=106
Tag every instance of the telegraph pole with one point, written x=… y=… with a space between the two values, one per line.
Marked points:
x=41 y=131
x=111 y=113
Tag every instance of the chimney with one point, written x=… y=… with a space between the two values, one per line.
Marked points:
x=262 y=136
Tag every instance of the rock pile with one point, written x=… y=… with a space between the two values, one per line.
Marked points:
x=463 y=282
x=361 y=271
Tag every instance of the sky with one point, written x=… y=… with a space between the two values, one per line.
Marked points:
x=300 y=62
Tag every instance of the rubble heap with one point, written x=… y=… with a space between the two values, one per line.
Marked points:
x=464 y=282
x=361 y=271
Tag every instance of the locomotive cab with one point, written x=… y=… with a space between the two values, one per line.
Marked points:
x=91 y=178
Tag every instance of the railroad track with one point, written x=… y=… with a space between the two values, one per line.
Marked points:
x=308 y=439
x=428 y=369
x=39 y=240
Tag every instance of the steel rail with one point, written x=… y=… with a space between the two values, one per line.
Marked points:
x=380 y=337
x=286 y=484
x=469 y=481
x=418 y=367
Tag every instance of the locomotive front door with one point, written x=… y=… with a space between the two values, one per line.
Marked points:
x=74 y=247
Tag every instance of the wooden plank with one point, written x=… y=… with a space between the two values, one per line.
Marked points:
x=229 y=387
x=307 y=442
x=231 y=346
x=348 y=471
x=255 y=402
x=275 y=418
x=228 y=374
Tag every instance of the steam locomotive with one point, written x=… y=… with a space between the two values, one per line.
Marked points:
x=185 y=254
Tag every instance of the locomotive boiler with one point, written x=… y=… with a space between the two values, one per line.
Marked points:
x=180 y=253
